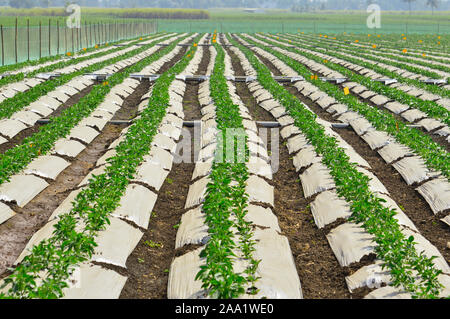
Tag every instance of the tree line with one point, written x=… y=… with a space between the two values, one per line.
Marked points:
x=294 y=5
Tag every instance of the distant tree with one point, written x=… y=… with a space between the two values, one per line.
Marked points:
x=44 y=3
x=21 y=3
x=409 y=3
x=433 y=4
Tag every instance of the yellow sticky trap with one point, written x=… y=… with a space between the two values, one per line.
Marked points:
x=356 y=41
x=404 y=51
x=379 y=36
x=404 y=38
x=346 y=91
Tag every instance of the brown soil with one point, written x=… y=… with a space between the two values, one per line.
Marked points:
x=147 y=267
x=129 y=109
x=202 y=68
x=320 y=274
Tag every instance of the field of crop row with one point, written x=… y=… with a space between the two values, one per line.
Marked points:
x=186 y=165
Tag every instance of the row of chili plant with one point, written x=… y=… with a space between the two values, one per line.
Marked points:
x=226 y=196
x=323 y=48
x=432 y=109
x=18 y=157
x=22 y=99
x=435 y=156
x=68 y=247
x=397 y=252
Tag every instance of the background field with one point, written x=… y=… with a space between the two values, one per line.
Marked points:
x=124 y=23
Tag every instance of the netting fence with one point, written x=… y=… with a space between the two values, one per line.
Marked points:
x=18 y=44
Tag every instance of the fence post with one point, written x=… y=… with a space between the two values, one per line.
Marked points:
x=15 y=40
x=80 y=44
x=28 y=39
x=86 y=34
x=49 y=39
x=40 y=39
x=73 y=42
x=57 y=35
x=3 y=47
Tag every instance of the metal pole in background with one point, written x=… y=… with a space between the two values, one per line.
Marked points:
x=3 y=47
x=49 y=39
x=15 y=40
x=90 y=32
x=57 y=31
x=40 y=39
x=86 y=33
x=28 y=39
x=65 y=39
x=73 y=42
